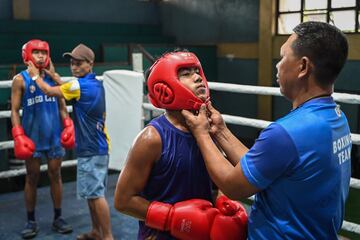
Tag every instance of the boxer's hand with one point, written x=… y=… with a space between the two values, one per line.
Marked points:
x=231 y=223
x=187 y=220
x=68 y=134
x=24 y=147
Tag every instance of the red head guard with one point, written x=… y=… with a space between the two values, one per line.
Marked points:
x=165 y=89
x=35 y=44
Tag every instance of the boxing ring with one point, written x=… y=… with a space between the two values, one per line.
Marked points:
x=230 y=119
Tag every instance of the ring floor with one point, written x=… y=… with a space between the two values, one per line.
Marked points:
x=74 y=211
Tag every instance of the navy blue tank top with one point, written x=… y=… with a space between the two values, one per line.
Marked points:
x=180 y=173
x=40 y=119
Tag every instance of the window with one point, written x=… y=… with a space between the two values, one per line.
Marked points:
x=344 y=14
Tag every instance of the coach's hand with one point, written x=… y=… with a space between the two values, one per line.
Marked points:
x=217 y=123
x=187 y=220
x=198 y=124
x=32 y=69
x=24 y=147
x=50 y=70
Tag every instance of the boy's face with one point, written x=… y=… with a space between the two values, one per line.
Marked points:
x=39 y=57
x=80 y=68
x=191 y=79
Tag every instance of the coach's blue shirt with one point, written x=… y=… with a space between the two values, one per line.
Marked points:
x=40 y=118
x=88 y=94
x=302 y=163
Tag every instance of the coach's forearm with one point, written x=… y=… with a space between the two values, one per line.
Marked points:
x=232 y=147
x=217 y=165
x=47 y=89
x=56 y=77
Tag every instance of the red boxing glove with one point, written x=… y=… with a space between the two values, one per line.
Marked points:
x=24 y=147
x=187 y=220
x=68 y=134
x=231 y=223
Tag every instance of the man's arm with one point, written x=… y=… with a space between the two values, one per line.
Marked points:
x=229 y=179
x=145 y=151
x=53 y=91
x=229 y=144
x=46 y=88
x=51 y=72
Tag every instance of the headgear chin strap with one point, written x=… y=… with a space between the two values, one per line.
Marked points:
x=164 y=86
x=35 y=44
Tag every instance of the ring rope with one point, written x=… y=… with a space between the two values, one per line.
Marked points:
x=8 y=83
x=43 y=168
x=7 y=113
x=6 y=145
x=354 y=183
x=275 y=91
x=350 y=227
x=248 y=89
x=238 y=88
x=250 y=122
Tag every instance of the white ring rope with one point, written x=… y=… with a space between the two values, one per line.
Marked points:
x=236 y=88
x=6 y=145
x=44 y=167
x=250 y=122
x=350 y=227
x=7 y=114
x=274 y=91
x=354 y=183
x=5 y=84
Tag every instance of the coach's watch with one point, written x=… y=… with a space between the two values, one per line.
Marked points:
x=35 y=77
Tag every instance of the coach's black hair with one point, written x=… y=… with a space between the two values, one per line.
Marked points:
x=325 y=45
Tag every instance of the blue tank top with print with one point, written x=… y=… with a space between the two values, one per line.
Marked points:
x=40 y=118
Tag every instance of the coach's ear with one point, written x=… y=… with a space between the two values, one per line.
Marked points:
x=305 y=67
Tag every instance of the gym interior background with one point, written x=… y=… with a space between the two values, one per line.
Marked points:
x=237 y=41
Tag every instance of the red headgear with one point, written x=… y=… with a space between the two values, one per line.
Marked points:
x=35 y=44
x=165 y=89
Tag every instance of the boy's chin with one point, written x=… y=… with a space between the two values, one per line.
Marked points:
x=203 y=98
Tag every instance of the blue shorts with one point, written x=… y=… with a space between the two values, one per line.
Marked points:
x=53 y=153
x=92 y=175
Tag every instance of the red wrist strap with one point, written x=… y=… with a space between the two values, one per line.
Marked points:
x=17 y=130
x=157 y=215
x=68 y=122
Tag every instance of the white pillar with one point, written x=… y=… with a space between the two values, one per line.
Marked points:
x=137 y=62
